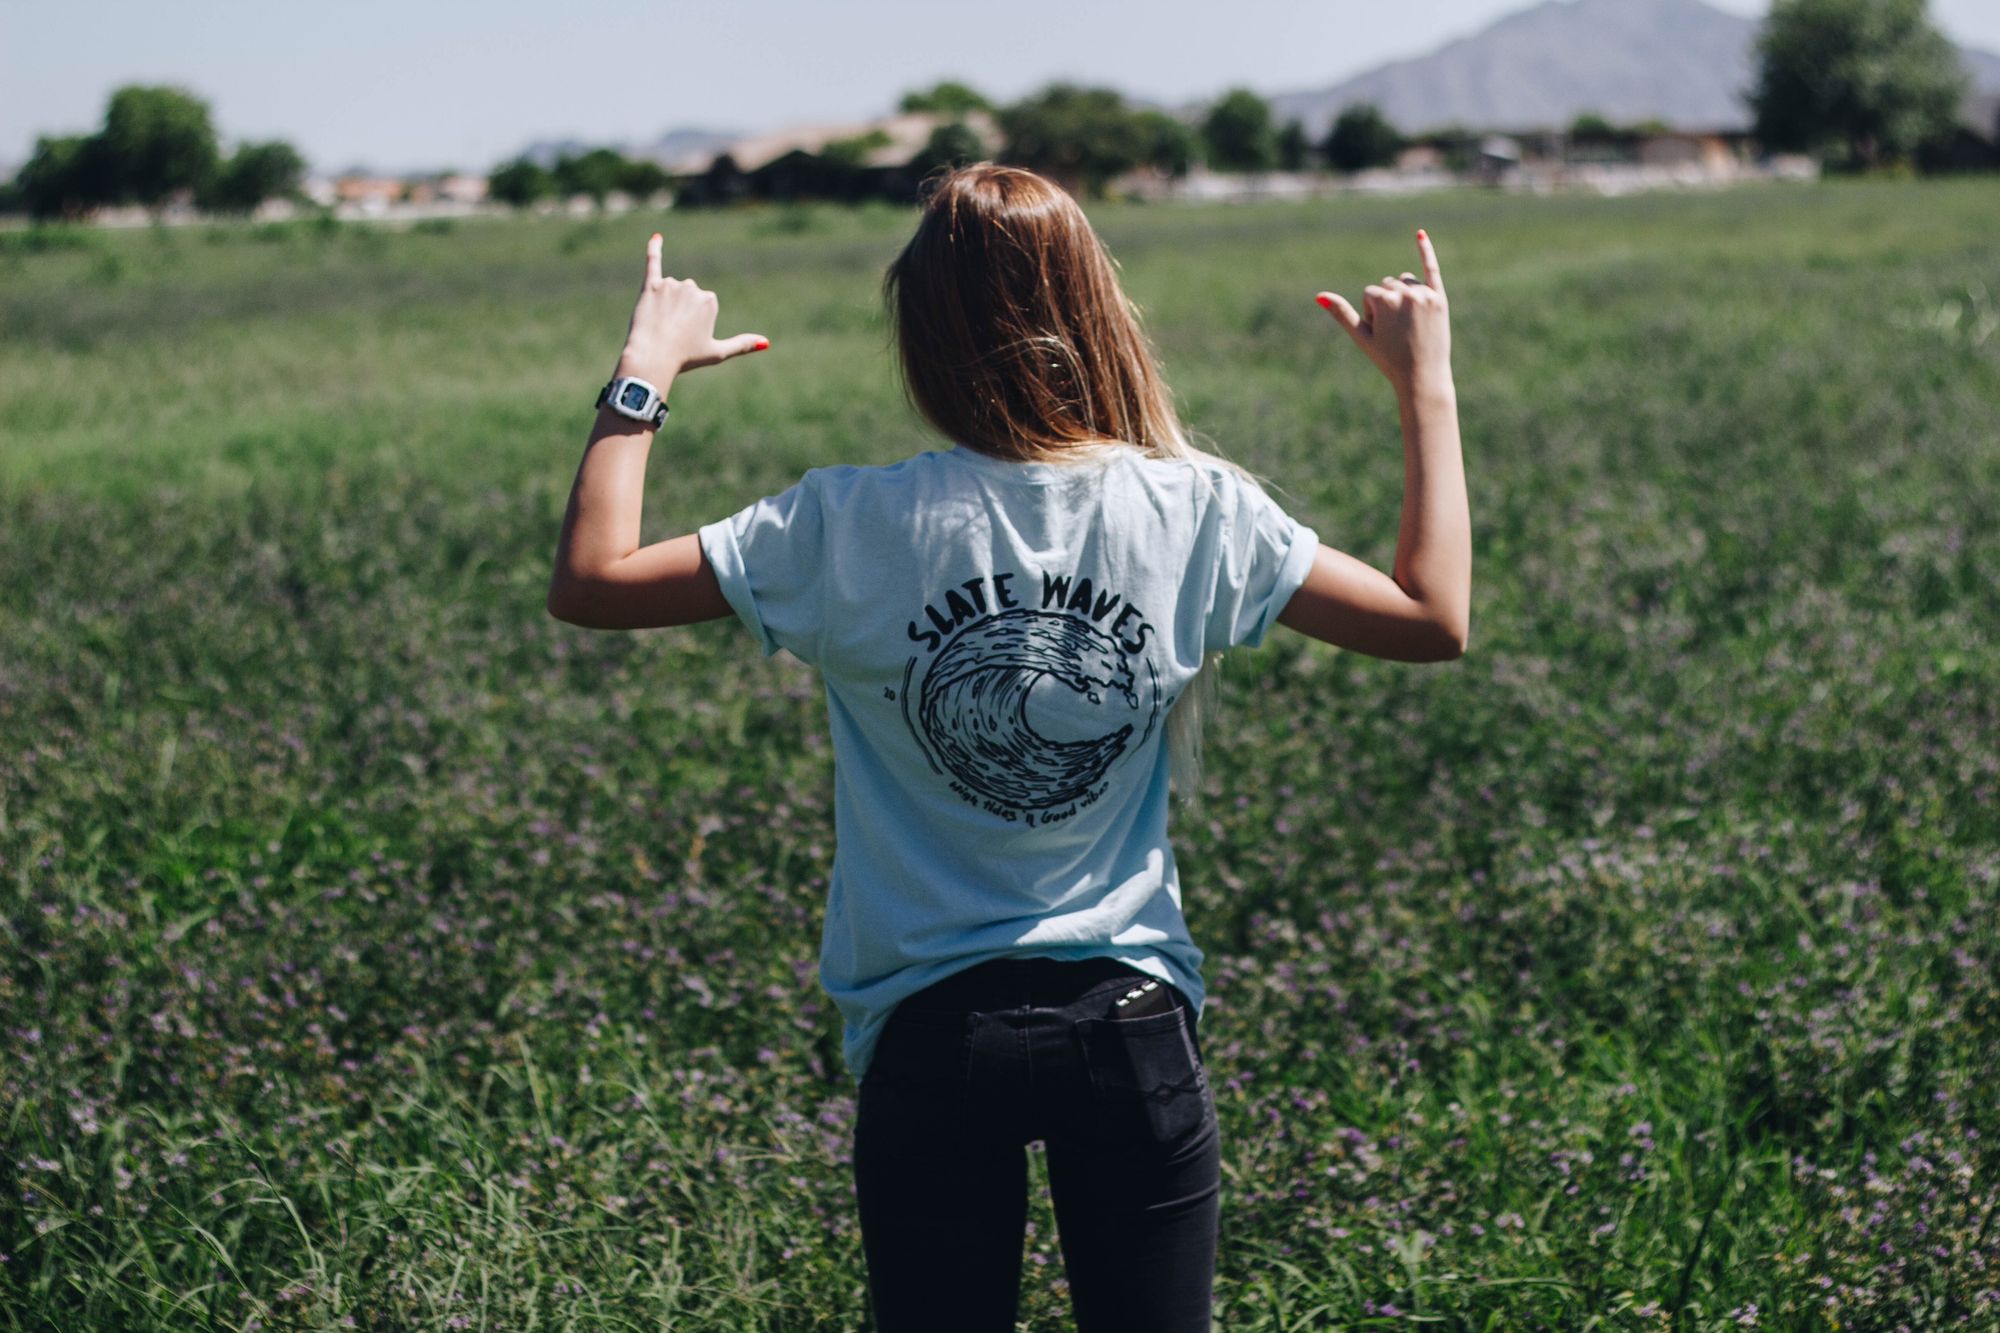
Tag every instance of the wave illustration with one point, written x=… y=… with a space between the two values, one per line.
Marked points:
x=974 y=706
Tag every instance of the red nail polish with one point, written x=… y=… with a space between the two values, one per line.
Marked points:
x=762 y=343
x=1325 y=301
x=1420 y=234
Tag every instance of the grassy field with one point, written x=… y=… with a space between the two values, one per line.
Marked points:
x=379 y=952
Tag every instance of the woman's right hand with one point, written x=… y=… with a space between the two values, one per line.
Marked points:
x=1405 y=327
x=673 y=328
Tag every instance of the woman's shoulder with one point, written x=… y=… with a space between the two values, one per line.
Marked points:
x=846 y=486
x=834 y=477
x=1202 y=478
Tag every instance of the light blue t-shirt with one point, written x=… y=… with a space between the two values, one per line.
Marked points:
x=1000 y=644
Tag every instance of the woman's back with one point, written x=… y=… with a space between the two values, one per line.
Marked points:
x=1001 y=645
x=1014 y=634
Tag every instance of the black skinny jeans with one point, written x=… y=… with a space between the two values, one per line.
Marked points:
x=972 y=1069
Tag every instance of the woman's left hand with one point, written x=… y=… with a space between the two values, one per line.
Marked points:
x=673 y=328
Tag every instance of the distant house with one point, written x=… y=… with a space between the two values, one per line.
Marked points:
x=905 y=135
x=1496 y=155
x=450 y=188
x=368 y=194
x=1421 y=157
x=1621 y=161
x=1201 y=184
x=1711 y=150
x=462 y=188
x=871 y=159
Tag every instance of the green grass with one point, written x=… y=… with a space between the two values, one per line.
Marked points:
x=378 y=948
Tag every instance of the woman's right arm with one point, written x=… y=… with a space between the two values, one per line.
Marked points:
x=1421 y=613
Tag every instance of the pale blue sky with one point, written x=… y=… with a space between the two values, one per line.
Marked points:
x=436 y=83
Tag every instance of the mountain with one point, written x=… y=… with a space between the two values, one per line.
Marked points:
x=686 y=146
x=544 y=152
x=1985 y=67
x=1679 y=60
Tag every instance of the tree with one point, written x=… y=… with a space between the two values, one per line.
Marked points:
x=1457 y=144
x=643 y=178
x=950 y=98
x=1294 y=150
x=1589 y=126
x=520 y=183
x=1085 y=134
x=61 y=179
x=155 y=141
x=1168 y=143
x=1859 y=82
x=596 y=173
x=1237 y=133
x=254 y=172
x=1362 y=137
x=853 y=152
x=951 y=144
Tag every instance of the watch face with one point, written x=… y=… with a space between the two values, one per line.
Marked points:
x=633 y=397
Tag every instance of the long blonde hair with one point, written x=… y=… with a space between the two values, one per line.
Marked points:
x=1015 y=339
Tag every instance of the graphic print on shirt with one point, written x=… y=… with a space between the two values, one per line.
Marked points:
x=971 y=701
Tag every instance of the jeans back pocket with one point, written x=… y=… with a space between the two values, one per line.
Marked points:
x=1150 y=1082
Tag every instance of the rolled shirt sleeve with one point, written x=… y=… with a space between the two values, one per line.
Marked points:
x=767 y=556
x=1264 y=557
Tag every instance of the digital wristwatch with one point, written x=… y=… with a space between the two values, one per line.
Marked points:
x=632 y=397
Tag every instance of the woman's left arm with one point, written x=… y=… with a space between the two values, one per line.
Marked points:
x=602 y=578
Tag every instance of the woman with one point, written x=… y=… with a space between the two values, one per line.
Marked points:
x=1016 y=633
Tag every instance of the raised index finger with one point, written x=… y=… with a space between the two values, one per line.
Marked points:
x=653 y=248
x=1432 y=277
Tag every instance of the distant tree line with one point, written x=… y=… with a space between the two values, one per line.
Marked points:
x=156 y=143
x=596 y=175
x=1084 y=136
x=1861 y=84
